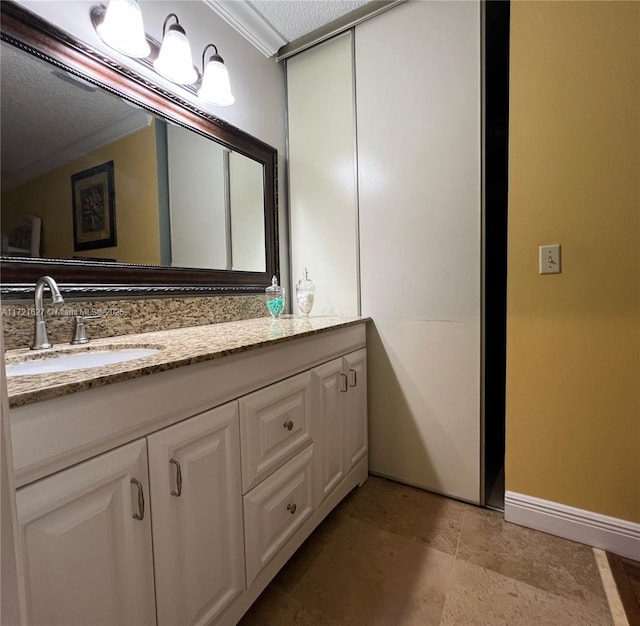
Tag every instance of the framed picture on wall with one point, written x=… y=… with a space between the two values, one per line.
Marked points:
x=94 y=210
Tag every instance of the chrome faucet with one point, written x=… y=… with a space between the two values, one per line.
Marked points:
x=40 y=339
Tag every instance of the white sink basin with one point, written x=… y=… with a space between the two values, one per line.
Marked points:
x=50 y=363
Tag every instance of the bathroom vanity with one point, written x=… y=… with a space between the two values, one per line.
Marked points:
x=172 y=488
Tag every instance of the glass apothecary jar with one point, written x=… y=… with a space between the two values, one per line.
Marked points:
x=275 y=298
x=305 y=294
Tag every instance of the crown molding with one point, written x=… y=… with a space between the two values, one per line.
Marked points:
x=241 y=16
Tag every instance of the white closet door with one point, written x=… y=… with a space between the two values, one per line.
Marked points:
x=322 y=174
x=419 y=130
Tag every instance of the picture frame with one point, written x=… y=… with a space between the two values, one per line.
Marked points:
x=94 y=211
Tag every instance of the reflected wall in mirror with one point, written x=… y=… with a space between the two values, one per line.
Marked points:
x=194 y=205
x=213 y=193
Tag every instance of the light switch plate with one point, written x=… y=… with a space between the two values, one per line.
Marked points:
x=550 y=259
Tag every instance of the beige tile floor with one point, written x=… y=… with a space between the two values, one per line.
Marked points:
x=391 y=555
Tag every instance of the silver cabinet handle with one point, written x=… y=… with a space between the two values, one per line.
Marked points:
x=288 y=425
x=291 y=508
x=343 y=378
x=140 y=514
x=177 y=492
x=355 y=378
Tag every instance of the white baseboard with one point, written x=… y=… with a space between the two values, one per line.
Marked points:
x=601 y=531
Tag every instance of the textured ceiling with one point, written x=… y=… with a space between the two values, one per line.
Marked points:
x=295 y=18
x=46 y=114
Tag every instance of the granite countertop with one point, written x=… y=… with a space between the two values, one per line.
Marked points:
x=176 y=348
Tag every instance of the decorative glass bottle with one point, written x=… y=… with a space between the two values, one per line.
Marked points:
x=275 y=298
x=305 y=294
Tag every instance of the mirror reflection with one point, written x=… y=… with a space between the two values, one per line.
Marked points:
x=86 y=175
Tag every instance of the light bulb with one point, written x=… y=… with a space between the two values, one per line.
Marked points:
x=122 y=28
x=215 y=87
x=174 y=61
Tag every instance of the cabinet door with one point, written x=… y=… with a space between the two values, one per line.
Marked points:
x=197 y=508
x=86 y=540
x=355 y=415
x=330 y=384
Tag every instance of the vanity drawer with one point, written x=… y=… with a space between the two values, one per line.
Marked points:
x=275 y=424
x=275 y=509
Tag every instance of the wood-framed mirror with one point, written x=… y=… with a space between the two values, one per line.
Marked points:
x=91 y=260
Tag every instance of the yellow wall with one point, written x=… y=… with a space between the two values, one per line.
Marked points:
x=573 y=354
x=136 y=201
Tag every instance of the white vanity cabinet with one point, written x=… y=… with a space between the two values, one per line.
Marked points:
x=86 y=540
x=194 y=469
x=340 y=416
x=202 y=483
x=326 y=405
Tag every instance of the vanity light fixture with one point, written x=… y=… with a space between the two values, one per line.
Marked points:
x=174 y=61
x=215 y=87
x=122 y=28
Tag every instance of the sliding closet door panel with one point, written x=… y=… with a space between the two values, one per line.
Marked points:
x=322 y=174
x=419 y=151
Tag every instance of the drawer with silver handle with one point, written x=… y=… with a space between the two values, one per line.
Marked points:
x=275 y=509
x=275 y=424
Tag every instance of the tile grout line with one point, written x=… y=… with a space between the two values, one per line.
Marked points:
x=453 y=567
x=610 y=589
x=449 y=587
x=464 y=516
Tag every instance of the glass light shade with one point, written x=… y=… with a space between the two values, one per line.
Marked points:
x=174 y=61
x=122 y=28
x=215 y=87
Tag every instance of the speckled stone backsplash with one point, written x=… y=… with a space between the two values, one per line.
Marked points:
x=125 y=317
